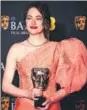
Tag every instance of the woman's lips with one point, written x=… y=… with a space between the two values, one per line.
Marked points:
x=33 y=27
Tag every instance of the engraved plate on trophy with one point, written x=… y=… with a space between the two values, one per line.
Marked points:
x=40 y=78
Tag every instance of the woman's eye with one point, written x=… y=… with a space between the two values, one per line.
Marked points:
x=39 y=18
x=28 y=18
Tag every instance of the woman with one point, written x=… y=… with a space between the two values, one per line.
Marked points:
x=66 y=61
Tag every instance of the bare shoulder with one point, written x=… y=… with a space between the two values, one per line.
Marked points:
x=16 y=50
x=16 y=47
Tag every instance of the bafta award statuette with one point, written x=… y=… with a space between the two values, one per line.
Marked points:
x=40 y=78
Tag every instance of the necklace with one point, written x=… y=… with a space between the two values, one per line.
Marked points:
x=37 y=45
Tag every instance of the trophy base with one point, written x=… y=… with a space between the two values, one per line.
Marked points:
x=38 y=103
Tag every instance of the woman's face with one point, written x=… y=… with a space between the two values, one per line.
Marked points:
x=34 y=21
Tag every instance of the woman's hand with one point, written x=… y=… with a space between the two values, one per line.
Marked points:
x=35 y=93
x=46 y=105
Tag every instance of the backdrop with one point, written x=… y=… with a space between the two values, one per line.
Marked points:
x=69 y=19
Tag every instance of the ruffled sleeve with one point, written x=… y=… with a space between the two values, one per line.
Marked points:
x=71 y=72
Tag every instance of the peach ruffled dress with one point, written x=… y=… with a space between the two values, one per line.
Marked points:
x=67 y=62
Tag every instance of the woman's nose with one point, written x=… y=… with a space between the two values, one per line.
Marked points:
x=33 y=21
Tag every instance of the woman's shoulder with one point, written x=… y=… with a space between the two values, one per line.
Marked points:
x=16 y=50
x=17 y=46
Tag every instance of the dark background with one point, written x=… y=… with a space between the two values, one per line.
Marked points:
x=64 y=12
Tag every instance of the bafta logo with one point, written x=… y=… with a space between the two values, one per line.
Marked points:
x=80 y=22
x=40 y=78
x=5 y=103
x=5 y=22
